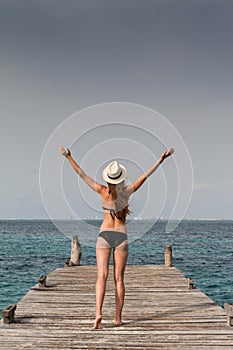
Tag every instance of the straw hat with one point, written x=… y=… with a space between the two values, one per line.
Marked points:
x=114 y=173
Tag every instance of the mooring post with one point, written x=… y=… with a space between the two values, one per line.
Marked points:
x=8 y=314
x=76 y=251
x=42 y=281
x=67 y=262
x=229 y=312
x=168 y=256
x=190 y=283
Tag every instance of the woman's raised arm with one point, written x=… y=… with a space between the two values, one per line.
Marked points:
x=138 y=183
x=97 y=187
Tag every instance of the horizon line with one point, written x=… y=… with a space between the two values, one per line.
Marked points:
x=98 y=219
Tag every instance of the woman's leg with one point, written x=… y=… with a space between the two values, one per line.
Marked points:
x=102 y=258
x=120 y=259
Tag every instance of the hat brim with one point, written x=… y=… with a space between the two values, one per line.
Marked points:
x=115 y=181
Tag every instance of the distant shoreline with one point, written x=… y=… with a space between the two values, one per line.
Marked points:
x=99 y=219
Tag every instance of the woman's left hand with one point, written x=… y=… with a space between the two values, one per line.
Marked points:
x=166 y=154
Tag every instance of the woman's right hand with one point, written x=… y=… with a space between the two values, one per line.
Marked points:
x=65 y=152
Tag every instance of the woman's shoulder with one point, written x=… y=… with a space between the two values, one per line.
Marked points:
x=104 y=194
x=129 y=189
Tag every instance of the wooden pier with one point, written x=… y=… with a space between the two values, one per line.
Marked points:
x=160 y=312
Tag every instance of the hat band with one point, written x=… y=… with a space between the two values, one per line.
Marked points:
x=115 y=177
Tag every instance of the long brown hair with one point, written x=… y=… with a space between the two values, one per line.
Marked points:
x=120 y=197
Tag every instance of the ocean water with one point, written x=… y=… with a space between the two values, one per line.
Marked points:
x=202 y=250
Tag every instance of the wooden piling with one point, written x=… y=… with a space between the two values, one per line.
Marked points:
x=67 y=262
x=168 y=256
x=229 y=312
x=190 y=283
x=42 y=281
x=76 y=251
x=8 y=314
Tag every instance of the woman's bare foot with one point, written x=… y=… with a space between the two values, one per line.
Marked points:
x=117 y=323
x=97 y=324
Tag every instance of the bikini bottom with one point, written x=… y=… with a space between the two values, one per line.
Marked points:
x=111 y=239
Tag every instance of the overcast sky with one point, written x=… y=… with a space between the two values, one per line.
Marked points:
x=60 y=56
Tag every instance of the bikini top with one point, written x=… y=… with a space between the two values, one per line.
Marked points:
x=111 y=210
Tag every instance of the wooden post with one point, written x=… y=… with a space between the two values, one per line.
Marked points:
x=168 y=256
x=190 y=283
x=76 y=251
x=8 y=314
x=67 y=262
x=229 y=312
x=42 y=281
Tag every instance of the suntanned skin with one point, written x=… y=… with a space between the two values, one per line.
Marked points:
x=121 y=254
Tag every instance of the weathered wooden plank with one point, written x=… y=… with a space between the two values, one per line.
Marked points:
x=160 y=312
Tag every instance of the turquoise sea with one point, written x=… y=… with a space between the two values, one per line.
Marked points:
x=203 y=250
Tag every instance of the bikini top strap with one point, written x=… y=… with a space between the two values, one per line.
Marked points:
x=111 y=210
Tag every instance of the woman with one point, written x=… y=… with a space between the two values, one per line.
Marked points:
x=113 y=231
